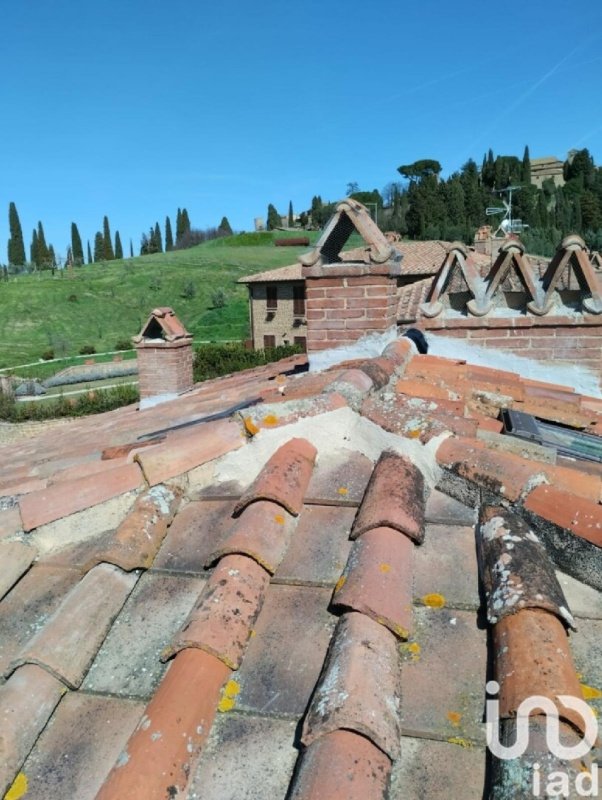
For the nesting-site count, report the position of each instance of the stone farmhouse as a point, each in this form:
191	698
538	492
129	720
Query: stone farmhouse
506	299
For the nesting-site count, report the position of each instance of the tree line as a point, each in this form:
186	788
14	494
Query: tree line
105	247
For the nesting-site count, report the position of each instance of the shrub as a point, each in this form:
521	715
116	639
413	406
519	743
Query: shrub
87	350
72	298
188	290
92	402
218	299
155	284
214	360
48	355
123	344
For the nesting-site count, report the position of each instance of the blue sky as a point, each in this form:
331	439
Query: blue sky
134	108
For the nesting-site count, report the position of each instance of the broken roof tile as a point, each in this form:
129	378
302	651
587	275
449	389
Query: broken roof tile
262	532
27	700
394	499
63	499
284	479
359	688
157	759
515	568
136	541
377	580
69	641
189	448
15	560
224	615
575	514
342	765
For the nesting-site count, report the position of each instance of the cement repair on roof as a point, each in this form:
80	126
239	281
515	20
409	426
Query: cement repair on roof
226	650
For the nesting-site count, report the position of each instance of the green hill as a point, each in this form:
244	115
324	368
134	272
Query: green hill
106	302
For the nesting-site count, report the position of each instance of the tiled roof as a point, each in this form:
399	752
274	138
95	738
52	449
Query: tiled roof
290	273
303	596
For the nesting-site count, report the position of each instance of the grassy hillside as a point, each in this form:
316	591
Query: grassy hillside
106	302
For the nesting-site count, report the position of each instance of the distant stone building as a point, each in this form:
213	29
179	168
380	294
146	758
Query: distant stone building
277	307
547	167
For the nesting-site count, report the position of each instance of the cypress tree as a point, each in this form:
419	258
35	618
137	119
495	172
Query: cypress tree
43	253
274	220
108	253
131	249
185	222
291	219
34	255
99	247
168	235
178	226
89	253
158	240
16	247
526	166
51	257
77	250
225	228
118	247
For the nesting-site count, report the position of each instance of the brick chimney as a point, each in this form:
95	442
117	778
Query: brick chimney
348	296
164	350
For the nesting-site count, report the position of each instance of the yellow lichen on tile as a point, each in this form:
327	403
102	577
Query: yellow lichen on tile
250	427
229	693
590	692
454	717
279	519
343	490
460	741
270	419
340	583
18	788
385	567
413	648
434	600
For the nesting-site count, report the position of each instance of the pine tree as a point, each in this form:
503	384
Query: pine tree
168	235
118	247
108	252
291	219
274	220
34	256
99	247
225	229
77	250
16	247
89	253
158	241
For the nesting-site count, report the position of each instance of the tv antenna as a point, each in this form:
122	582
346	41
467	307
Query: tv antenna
508	224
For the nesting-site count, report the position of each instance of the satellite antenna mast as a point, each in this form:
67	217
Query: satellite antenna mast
508	224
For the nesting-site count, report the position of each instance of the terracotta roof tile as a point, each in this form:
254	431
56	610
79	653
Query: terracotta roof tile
157	759
280	669
532	656
92	731
27	700
515	568
578	515
377	580
284	479
63	499
339	480
437	570
10	521
414	418
262	532
394	499
222	620
359	688
124	450
401	351
137	540
27	607
314	558
342	766
189	448
15	559
12	488
69	641
152	615
198	529
442	508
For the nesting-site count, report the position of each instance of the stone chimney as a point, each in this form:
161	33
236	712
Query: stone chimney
164	350
348	296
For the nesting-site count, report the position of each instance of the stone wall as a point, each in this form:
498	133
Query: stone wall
279	323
